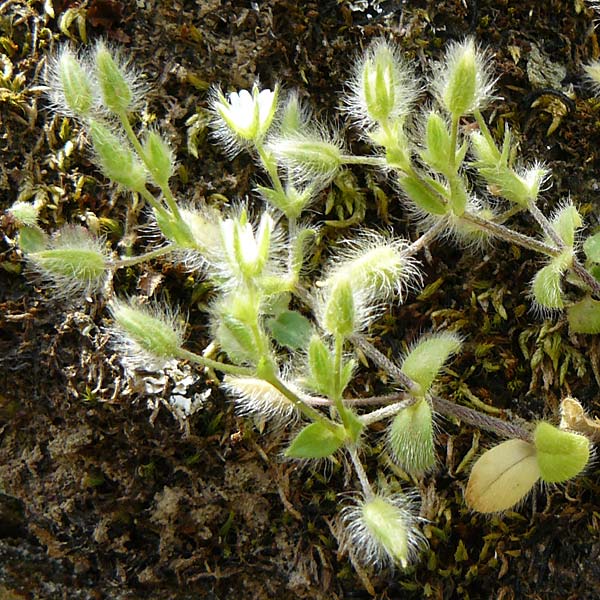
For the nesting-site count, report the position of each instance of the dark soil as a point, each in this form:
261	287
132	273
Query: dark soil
104	493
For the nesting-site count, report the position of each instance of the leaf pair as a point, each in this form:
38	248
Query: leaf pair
504	475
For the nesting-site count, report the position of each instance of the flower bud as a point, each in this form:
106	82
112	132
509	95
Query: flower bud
565	222
382	530
376	266
117	160
147	336
438	145
257	397
546	287
309	156
159	158
339	314
383	87
71	85
73	262
463	83
117	91
24	213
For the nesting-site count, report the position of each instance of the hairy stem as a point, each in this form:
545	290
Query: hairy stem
362	475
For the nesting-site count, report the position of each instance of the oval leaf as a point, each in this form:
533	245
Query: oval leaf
291	329
425	360
591	247
410	438
561	455
584	316
317	440
502	476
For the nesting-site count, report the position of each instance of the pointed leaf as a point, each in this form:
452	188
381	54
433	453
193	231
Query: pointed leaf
316	440
410	438
425	360
290	329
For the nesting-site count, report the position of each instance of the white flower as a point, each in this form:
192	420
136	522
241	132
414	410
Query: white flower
243	117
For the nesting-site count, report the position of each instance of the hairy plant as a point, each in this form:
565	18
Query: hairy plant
295	370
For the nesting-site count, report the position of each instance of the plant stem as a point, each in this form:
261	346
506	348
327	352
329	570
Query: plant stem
362	475
545	225
480	420
308	411
164	188
444	407
384	362
373	161
215	364
134	260
387	411
509	235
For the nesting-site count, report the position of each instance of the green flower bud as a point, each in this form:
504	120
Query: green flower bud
159	158
565	222
308	156
73	262
24	213
145	335
546	287
320	367
383	87
117	160
438	146
561	455
382	530
76	83
339	309
376	267
114	80
463	82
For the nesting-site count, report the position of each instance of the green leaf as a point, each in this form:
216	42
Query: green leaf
561	455
321	370
584	316
425	196
410	438
566	222
291	329
317	440
425	360
32	239
591	247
